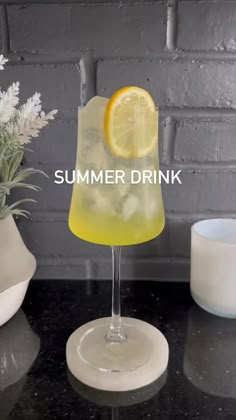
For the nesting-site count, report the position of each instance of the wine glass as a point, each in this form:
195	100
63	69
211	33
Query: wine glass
115	353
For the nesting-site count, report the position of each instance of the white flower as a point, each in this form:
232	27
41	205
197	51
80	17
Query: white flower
23	123
17	127
3	61
30	119
8	102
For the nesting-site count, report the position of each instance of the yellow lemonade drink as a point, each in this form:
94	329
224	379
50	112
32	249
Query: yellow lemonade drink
109	206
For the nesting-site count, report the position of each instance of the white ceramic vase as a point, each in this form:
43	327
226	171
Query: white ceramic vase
17	266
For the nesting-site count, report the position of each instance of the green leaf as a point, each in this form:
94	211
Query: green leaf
26	185
12	206
2	152
24	173
14	163
13	210
20	212
4	170
4	189
7	186
2	200
16	212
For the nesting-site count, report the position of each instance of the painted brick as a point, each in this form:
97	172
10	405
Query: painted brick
108	30
173	83
205	141
207	25
54	269
52	197
156	269
140	269
55	146
158	247
174	241
180	236
2	27
134	31
53	238
121	3
58	142
202	191
58	84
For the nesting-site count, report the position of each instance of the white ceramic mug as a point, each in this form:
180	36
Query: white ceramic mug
213	266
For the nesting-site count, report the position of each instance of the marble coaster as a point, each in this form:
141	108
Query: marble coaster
154	343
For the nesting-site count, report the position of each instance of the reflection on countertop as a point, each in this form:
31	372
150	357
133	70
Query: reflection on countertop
201	379
117	399
19	347
210	353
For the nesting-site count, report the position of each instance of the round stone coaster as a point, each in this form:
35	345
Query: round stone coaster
141	360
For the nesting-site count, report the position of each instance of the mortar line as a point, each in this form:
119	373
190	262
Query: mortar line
92	259
46	216
188	166
168	140
199	112
224	115
4	30
82	3
27	58
177	55
172	25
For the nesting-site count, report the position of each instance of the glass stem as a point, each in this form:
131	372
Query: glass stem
115	333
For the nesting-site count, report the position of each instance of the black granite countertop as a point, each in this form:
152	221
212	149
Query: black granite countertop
34	382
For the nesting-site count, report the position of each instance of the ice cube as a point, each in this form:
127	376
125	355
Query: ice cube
102	202
97	102
92	115
97	158
91	142
131	205
123	189
152	208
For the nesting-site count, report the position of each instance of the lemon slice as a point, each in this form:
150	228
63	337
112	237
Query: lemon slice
131	123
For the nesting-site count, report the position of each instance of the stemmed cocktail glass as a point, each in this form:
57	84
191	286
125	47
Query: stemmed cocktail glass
114	204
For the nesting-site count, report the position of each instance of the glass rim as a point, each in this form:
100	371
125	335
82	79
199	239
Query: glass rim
195	230
84	106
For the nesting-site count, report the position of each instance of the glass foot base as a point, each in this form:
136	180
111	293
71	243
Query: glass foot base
132	364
